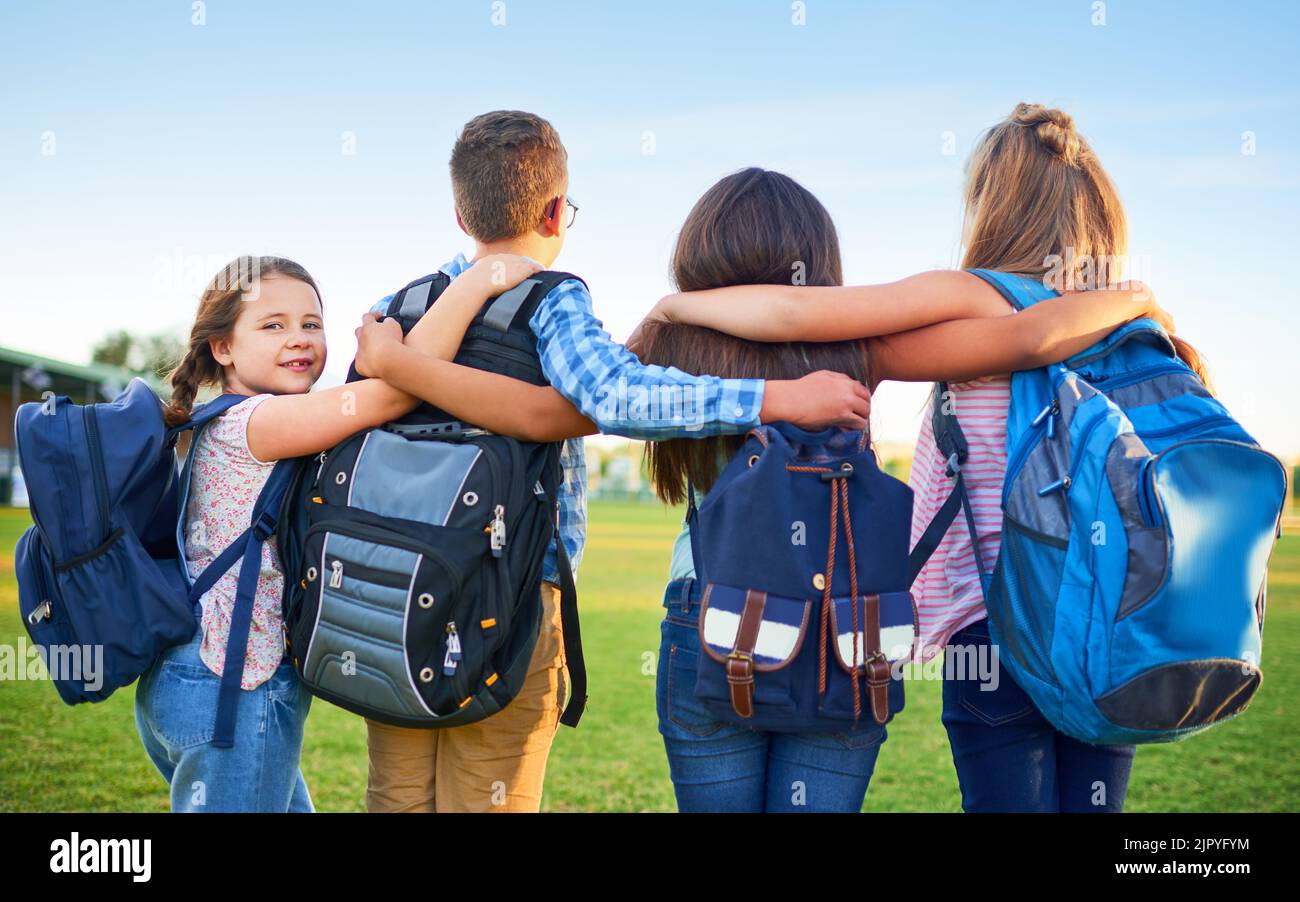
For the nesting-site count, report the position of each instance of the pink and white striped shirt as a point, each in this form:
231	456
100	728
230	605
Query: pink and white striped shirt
947	591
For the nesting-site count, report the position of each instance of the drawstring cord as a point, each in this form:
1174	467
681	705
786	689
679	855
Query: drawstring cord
839	498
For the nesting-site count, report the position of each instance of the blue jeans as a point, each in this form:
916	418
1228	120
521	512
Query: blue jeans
175	709
1010	758
720	766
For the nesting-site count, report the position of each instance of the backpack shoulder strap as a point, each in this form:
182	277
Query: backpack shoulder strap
247	549
693	532
572	633
570	628
951	442
205	413
1018	291
523	298
409	304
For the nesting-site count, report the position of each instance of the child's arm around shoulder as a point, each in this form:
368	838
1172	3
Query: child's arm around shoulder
1051	330
296	425
421	363
834	313
624	396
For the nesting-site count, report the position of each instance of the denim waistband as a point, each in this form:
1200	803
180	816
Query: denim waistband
682	594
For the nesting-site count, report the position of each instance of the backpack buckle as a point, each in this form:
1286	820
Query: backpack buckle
740	677
954	464
264	526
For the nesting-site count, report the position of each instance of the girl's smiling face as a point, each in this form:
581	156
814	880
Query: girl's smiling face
278	343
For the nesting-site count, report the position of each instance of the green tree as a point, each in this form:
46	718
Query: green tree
143	355
113	349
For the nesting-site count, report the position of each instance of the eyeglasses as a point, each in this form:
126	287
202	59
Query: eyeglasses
573	209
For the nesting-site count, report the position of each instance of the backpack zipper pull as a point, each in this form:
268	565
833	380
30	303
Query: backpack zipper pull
40	612
1049	413
498	527
454	655
336	574
1061	484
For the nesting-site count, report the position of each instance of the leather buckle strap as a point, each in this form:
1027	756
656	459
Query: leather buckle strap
740	663
877	665
740	677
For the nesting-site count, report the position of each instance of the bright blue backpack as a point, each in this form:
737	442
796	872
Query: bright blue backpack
102	587
801	546
1138	519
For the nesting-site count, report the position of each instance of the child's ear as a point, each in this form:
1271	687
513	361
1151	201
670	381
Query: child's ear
220	348
460	222
552	218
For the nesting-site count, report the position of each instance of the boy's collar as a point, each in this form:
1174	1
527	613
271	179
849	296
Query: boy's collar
460	263
457	266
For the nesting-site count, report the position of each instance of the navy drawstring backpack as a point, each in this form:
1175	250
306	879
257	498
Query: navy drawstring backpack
802	549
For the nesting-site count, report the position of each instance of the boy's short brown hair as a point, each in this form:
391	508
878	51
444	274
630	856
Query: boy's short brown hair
505	166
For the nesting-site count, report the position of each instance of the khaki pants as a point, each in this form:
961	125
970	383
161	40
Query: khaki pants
496	764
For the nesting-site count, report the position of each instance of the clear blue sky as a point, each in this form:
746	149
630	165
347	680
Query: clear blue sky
177	146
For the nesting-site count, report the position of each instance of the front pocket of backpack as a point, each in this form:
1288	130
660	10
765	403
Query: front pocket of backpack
898	635
779	639
127	628
381	603
1022	600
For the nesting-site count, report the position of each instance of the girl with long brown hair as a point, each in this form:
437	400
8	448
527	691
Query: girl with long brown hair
1038	203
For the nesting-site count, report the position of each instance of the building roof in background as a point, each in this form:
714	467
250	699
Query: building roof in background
90	372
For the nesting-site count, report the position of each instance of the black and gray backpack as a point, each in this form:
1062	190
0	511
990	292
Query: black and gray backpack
413	551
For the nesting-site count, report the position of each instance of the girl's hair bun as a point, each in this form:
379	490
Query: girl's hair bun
1054	128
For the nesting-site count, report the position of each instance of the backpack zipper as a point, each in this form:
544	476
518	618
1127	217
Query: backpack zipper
1041	422
1186	427
1148	498
377	536
1076	363
67	628
497	540
1080	451
322	456
454	655
1146	491
1120	380
91	421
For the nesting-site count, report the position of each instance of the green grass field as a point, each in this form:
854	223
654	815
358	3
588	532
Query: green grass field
56	758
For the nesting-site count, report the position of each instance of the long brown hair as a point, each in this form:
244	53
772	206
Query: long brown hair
754	227
219	308
1039	203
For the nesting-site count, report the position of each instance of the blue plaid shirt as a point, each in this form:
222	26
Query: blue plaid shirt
619	394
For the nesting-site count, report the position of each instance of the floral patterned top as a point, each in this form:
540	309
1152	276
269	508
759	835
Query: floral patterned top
224	484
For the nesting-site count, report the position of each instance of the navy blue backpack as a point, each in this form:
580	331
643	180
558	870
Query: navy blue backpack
101	585
802	547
